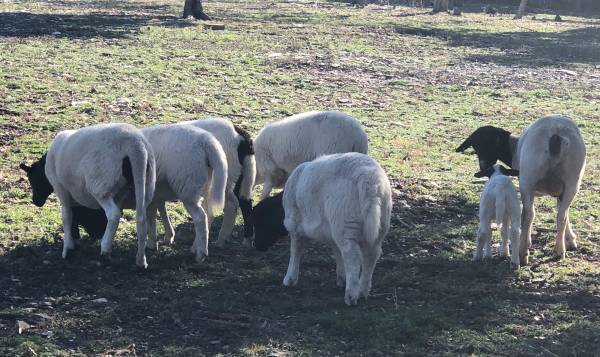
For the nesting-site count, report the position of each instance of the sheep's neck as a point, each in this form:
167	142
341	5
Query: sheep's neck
510	158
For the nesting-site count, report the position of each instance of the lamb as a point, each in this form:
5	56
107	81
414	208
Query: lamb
550	156
282	146
499	202
91	167
190	165
343	199
241	165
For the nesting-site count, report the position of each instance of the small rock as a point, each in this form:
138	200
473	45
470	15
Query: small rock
123	101
22	326
56	33
100	301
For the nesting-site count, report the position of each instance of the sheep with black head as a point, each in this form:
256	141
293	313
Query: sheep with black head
341	199
550	157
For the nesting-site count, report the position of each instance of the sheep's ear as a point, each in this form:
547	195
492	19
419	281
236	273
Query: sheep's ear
25	167
485	172
465	145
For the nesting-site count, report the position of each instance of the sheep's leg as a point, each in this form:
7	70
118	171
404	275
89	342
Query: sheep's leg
113	215
487	243
151	216
246	208
482	233
67	218
208	211
267	187
504	252
570	236
352	257
526	224
296	250
229	214
562	220
370	257
199	217
169	231
514	245
339	265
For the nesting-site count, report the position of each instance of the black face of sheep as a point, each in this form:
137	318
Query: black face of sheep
489	171
41	187
268	216
491	144
92	220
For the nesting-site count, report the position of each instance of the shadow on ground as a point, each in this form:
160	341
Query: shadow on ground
24	24
529	48
234	301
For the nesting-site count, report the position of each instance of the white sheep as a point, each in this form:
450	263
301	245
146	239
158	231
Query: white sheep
93	167
190	165
550	158
343	199
499	202
241	166
281	146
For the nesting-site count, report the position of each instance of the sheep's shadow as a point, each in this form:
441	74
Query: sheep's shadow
25	24
424	286
525	48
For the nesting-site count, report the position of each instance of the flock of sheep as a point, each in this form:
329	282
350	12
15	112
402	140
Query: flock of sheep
332	190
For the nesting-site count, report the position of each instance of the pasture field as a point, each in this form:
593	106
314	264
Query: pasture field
419	83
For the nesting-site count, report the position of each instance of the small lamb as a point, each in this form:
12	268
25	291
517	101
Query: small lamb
499	202
342	199
282	146
550	158
93	167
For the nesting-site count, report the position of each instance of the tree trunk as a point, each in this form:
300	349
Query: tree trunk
194	8
521	11
440	5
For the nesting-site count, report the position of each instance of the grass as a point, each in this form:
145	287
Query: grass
419	84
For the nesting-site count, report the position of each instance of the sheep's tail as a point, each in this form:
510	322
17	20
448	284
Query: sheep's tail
375	202
143	171
557	145
500	208
218	163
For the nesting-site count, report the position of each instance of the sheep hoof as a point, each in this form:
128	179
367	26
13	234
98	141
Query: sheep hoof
200	258
514	265
571	244
105	259
524	259
141	262
351	299
559	255
221	243
290	281
247	242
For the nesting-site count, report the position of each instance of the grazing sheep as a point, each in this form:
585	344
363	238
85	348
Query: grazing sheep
91	167
190	164
93	221
342	199
238	147
282	146
550	156
499	202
